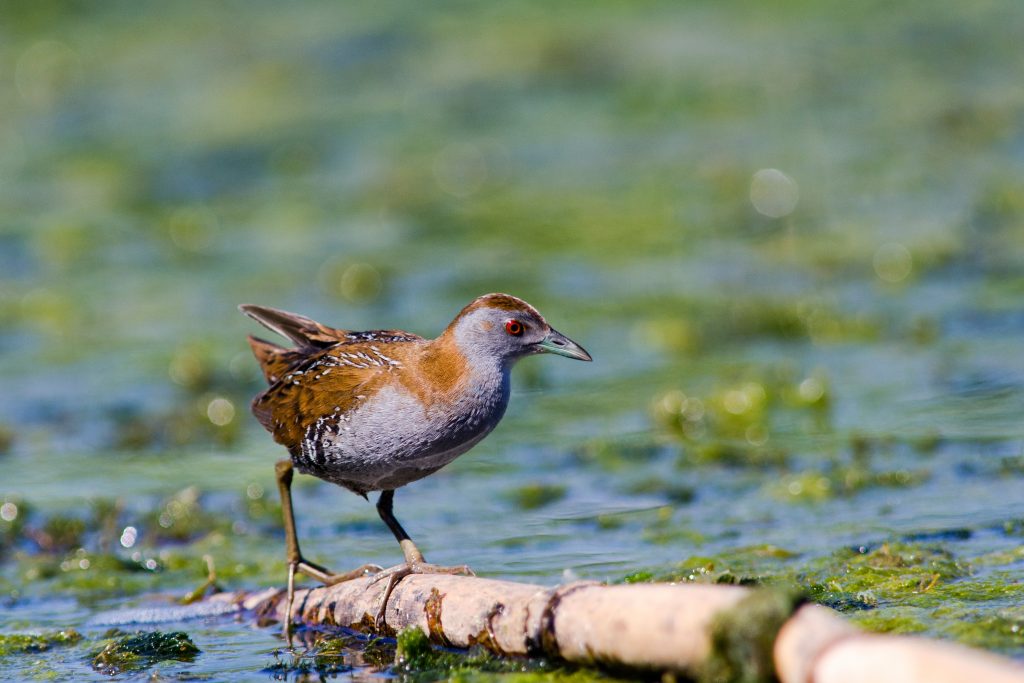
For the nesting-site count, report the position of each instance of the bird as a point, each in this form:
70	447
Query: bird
376	410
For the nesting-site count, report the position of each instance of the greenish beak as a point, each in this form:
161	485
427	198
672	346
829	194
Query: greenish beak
559	344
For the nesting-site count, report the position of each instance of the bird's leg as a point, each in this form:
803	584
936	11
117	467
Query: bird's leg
385	508
414	560
296	563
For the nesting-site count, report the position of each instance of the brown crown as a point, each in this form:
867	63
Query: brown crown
502	302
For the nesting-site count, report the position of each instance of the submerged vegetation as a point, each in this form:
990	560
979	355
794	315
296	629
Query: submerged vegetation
417	660
795	259
12	643
124	653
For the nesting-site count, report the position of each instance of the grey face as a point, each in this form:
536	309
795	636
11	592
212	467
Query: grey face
510	335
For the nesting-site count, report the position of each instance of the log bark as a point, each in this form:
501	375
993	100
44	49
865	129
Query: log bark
650	627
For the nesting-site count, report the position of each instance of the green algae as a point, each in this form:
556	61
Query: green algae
906	621
12	523
1012	465
537	495
1002	630
665	528
894	587
416	659
737	424
917	588
139	651
843	481
613	454
734	454
672	491
413	650
750	565
60	534
1013	527
208	587
14	643
93	571
182	517
7	439
890	571
578	164
743	637
327	655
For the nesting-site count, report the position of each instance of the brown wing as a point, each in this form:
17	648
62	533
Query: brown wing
308	334
334	381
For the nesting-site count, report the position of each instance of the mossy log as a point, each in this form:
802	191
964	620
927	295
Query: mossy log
710	632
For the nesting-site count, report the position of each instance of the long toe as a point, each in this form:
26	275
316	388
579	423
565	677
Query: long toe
395	574
426	568
400	571
329	578
357	573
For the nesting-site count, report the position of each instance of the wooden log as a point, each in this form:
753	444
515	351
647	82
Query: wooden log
817	646
893	659
809	632
651	627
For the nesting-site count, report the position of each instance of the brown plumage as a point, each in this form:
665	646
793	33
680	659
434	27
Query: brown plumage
372	411
274	360
334	371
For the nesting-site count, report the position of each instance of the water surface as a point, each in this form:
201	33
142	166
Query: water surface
790	235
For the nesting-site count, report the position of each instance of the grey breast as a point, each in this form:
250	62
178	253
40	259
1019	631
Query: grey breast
391	439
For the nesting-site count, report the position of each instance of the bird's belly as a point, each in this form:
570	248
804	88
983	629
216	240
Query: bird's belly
393	440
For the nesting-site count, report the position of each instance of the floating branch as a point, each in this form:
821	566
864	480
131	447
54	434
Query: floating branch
709	632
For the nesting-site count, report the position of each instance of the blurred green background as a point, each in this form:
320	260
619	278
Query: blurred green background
790	233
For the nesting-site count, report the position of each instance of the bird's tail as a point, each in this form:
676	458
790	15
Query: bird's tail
306	333
275	361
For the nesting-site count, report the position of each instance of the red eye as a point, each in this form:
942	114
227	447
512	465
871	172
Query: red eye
514	327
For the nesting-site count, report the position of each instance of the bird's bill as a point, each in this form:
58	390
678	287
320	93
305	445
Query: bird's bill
559	344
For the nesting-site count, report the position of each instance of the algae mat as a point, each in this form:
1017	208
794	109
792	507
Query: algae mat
790	234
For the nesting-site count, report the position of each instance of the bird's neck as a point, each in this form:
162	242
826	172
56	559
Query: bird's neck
469	392
444	367
454	365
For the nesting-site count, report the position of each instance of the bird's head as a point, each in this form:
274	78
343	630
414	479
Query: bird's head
505	327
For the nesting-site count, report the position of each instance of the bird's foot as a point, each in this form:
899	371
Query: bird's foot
322	574
329	578
395	574
400	571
